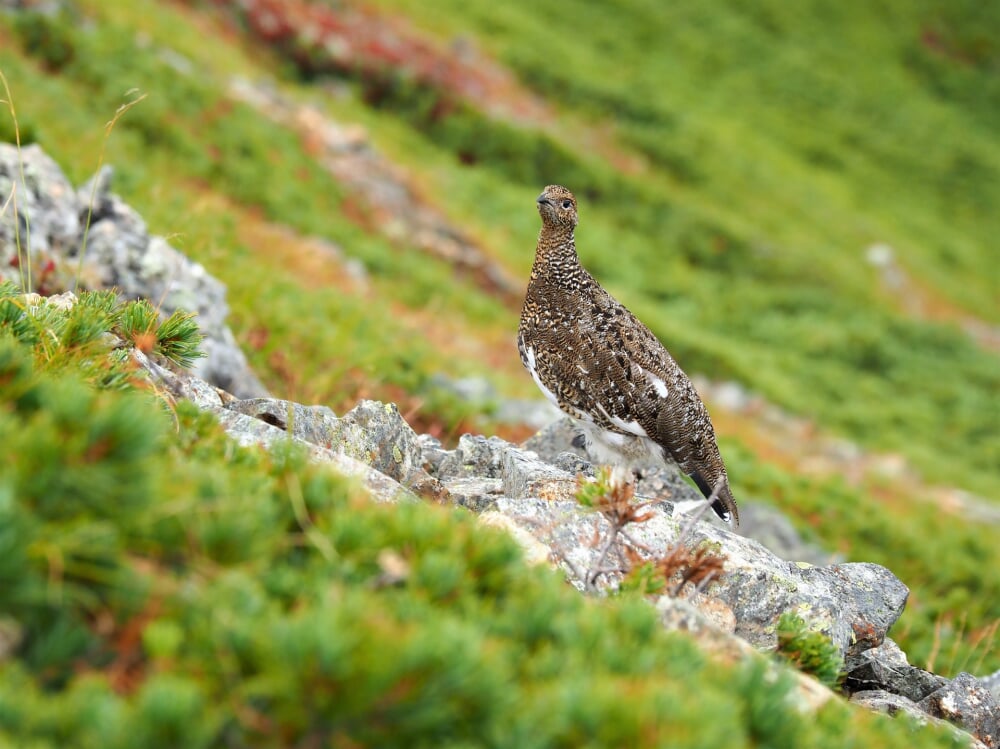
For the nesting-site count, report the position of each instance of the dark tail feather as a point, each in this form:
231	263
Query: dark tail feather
724	504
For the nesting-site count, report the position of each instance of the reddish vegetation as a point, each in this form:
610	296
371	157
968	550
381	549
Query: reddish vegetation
358	41
127	669
936	42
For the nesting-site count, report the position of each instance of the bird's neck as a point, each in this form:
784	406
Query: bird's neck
556	260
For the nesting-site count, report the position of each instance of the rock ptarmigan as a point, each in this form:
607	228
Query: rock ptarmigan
597	362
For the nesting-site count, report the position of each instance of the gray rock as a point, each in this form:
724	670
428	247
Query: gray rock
561	439
682	614
46	222
882	679
574	464
992	682
475	390
521	472
470	470
313	424
475	456
120	252
51	221
774	530
481	395
249	431
967	703
373	433
884	668
854	604
532	412
478	495
179	384
532	499
867	600
893	704
524	475
267	423
433	452
559	436
377	434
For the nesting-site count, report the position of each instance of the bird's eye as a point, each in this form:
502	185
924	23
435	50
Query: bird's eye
567	204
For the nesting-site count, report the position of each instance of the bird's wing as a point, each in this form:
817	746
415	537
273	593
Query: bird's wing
576	365
666	406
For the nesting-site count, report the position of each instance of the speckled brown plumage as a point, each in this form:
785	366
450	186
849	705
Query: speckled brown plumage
597	362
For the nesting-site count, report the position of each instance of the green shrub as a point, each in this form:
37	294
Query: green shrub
809	651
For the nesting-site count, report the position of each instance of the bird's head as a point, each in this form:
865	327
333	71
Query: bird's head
557	207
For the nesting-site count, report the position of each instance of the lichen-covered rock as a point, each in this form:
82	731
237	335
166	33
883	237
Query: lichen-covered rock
881	678
560	444
378	434
474	455
479	467
524	475
478	495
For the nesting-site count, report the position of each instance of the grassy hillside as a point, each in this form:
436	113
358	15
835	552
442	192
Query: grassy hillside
733	165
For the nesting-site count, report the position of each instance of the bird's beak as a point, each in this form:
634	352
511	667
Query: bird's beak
542	200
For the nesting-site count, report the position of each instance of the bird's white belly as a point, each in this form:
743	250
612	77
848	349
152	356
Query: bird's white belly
620	450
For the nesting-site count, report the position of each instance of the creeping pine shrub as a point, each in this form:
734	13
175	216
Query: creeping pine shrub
80	465
809	651
75	337
75	471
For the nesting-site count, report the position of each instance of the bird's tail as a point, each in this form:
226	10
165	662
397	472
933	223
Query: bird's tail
725	506
721	495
